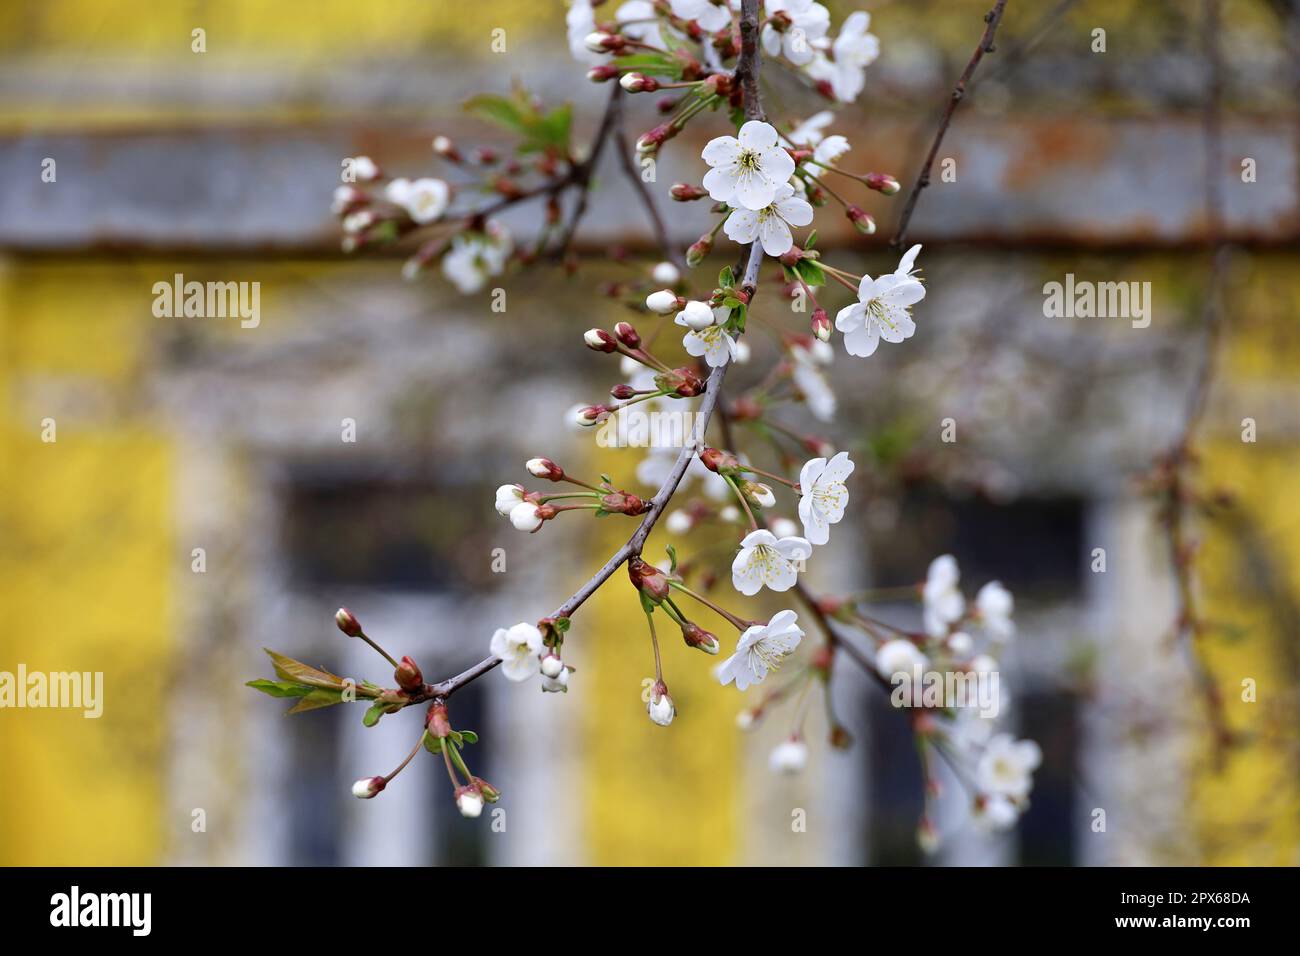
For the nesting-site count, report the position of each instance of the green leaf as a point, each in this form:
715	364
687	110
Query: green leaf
726	278
318	697
469	736
811	272
504	111
432	744
298	672
672	557
373	713
811	240
279	688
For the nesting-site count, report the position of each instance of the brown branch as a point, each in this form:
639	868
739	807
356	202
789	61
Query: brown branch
991	20
666	246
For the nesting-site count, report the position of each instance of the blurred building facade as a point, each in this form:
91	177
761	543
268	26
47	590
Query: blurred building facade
201	499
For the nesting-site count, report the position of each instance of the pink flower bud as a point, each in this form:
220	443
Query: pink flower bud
660	707
623	392
697	637
347	622
699	250
602	73
437	723
408	676
685	192
663	302
591	415
368	787
862	222
469	801
648	579
628	335
544	468
638	83
882	183
443	146
598	340
821	325
719	461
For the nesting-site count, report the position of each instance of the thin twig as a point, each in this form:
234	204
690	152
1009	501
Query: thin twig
991	20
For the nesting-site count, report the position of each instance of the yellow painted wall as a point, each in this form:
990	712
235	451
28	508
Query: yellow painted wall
85	557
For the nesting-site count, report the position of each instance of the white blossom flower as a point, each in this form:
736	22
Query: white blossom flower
995	606
517	647
809	21
994	812
881	312
941	598
765	559
364	169
905	264
810	381
810	131
960	644
830	149
760	494
788	757
747	168
712	342
637	19
706	13
508	496
469	803
760	649
852	52
770	225
1006	767
677	522
823	495
580	20
475	257
898	656
425	200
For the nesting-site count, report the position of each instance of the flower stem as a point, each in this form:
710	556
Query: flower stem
735	621
388	657
753	522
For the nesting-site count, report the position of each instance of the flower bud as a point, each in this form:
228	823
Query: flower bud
840	738
598	340
638	83
665	273
408	676
469	801
620	502
862	222
649	580
660	706
347	199
719	461
678	522
696	315
443	146
697	637
882	183
559	684
590	415
699	250
437	722
366	169
489	793
602	73
507	497
684	382
368	787
746	719
757	494
347	622
789	757
685	192
552	666
526	516
601	42
623	392
662	302
544	468
821	325
626	333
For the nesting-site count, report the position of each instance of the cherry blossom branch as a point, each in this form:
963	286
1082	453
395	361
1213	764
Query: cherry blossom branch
991	20
747	71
